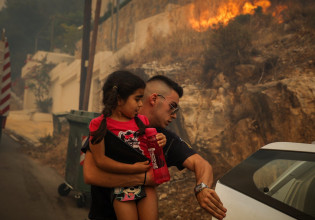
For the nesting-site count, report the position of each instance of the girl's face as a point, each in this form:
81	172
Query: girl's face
129	108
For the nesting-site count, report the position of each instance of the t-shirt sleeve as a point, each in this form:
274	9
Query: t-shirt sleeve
94	124
176	151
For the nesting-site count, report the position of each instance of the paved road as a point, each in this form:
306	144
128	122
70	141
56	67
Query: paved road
28	190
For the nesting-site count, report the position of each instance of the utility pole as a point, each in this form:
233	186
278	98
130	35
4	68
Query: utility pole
85	49
52	33
111	25
91	56
117	23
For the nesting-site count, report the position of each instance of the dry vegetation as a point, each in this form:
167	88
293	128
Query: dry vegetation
258	40
52	151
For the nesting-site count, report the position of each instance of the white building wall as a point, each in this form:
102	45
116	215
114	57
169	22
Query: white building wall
95	101
69	98
29	100
56	87
56	96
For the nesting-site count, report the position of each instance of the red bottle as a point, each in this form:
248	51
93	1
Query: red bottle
159	165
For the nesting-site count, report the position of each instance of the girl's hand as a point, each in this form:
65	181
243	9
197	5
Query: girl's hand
161	139
141	167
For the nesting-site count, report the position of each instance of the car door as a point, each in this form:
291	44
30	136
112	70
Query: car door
273	183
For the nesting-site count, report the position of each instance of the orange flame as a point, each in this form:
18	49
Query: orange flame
204	18
277	12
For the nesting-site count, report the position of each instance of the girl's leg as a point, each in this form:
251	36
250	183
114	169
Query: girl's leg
125	210
148	206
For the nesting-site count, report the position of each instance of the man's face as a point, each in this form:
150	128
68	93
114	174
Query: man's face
163	112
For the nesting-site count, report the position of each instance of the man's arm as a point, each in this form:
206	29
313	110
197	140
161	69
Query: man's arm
207	198
95	176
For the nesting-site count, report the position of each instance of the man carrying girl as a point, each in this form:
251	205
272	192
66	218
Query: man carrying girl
160	105
122	99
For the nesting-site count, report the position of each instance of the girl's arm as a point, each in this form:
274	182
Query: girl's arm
109	165
96	176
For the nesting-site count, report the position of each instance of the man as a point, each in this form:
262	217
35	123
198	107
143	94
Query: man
160	104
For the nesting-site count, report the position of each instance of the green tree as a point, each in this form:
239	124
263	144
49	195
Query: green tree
46	22
38	81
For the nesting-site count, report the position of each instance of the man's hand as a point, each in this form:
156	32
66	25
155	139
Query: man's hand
207	198
210	201
161	139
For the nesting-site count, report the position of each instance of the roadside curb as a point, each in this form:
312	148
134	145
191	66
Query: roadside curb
24	141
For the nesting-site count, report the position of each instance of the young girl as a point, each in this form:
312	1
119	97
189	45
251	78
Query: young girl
122	99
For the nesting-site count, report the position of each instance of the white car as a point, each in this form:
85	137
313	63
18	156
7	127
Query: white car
276	182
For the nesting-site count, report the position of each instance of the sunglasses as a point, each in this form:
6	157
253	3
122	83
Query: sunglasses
174	109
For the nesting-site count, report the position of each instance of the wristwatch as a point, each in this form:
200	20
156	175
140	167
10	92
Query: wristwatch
199	188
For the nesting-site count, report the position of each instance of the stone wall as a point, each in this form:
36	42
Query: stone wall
227	127
131	13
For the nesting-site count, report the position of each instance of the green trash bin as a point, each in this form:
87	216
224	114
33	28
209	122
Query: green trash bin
79	129
59	121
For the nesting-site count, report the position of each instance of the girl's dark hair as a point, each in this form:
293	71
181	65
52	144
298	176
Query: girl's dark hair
119	84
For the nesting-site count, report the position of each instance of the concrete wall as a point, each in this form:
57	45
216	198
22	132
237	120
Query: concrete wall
51	57
70	98
95	101
133	12
129	15
136	26
29	100
69	81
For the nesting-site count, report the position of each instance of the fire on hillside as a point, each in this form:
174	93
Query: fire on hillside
207	14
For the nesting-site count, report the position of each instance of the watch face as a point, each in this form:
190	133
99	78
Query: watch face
199	187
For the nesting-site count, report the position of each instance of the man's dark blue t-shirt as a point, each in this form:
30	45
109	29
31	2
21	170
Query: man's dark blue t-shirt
176	151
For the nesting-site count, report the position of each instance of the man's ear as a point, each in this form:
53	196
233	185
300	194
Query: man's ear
152	98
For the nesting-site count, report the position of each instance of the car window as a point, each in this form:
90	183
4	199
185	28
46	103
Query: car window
289	181
283	180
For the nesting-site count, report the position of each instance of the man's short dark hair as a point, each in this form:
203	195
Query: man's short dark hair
172	84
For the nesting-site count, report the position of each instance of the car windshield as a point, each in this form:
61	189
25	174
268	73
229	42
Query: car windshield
289	181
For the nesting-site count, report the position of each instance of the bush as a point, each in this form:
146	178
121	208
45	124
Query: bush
310	17
300	13
39	83
46	140
44	105
228	46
